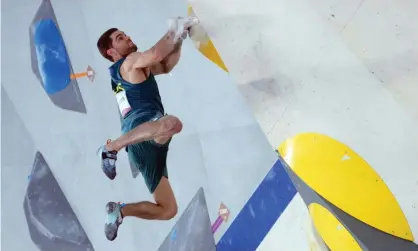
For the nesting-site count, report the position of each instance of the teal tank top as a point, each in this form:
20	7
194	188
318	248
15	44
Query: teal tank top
143	98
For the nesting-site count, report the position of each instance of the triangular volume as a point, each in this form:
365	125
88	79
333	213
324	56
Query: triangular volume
51	221
193	230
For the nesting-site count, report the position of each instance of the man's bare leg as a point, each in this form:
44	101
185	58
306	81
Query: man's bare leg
165	207
163	128
160	131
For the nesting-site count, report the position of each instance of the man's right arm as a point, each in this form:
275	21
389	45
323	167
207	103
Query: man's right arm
164	46
156	53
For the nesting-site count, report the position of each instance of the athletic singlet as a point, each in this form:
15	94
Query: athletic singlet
143	97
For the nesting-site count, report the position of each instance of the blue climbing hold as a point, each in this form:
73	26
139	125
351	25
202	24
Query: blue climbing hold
53	62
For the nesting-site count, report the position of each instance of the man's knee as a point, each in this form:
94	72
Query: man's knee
169	212
171	125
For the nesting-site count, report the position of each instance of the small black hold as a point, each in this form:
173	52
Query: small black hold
332	15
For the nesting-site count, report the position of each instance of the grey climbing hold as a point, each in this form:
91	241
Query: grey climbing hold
193	230
51	221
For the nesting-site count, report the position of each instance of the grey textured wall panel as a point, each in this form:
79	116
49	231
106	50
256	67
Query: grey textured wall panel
52	223
192	231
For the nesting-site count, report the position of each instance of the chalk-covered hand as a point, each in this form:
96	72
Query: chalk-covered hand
189	22
180	26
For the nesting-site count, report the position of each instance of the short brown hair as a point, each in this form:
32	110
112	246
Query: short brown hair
105	43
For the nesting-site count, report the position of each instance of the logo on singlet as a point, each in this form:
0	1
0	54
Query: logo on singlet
118	88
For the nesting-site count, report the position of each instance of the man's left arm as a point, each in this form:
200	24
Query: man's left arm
169	62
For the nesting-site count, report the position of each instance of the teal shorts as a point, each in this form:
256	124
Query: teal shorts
149	157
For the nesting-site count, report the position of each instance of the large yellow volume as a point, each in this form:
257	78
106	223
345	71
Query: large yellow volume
341	176
204	44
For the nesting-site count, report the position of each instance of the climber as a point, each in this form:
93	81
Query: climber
146	129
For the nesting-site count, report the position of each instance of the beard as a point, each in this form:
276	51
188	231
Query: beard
134	48
127	51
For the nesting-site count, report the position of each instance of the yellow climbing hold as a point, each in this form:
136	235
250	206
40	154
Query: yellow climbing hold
346	180
204	44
